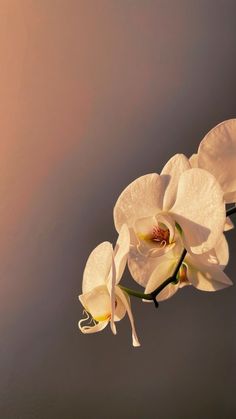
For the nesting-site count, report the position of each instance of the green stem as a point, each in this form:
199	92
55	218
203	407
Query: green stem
172	278
136	293
152	296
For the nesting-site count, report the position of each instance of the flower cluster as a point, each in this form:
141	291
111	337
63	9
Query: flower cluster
170	233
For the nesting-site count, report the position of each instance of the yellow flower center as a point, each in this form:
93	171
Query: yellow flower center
102	318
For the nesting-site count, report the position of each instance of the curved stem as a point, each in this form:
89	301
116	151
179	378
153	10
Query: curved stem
136	293
172	278
152	296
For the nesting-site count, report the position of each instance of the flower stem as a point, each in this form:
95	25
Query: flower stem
172	278
136	293
152	296
231	211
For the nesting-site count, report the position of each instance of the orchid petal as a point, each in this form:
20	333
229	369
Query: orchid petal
140	266
173	169
121	252
97	267
163	271
229	225
92	329
126	302
120	310
97	302
152	250
111	290
217	153
222	251
199	210
193	160
218	256
143	227
142	198
208	278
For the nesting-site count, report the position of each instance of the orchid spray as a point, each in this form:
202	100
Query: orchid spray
171	232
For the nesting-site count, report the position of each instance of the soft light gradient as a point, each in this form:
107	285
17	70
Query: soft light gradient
94	94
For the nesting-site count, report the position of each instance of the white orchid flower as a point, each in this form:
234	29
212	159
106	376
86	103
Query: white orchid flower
204	272
217	154
102	298
153	206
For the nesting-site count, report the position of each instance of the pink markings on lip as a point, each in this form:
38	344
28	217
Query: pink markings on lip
160	235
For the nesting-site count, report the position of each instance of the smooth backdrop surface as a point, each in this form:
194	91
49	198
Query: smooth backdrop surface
92	95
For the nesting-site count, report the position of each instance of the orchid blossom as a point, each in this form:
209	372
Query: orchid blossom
157	207
217	154
204	272
102	298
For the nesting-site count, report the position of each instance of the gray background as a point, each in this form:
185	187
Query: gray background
95	94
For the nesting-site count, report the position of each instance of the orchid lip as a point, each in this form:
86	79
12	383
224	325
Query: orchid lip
160	235
102	318
157	238
88	318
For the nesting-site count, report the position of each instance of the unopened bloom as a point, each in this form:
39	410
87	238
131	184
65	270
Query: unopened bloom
204	272
217	154
154	206
102	298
